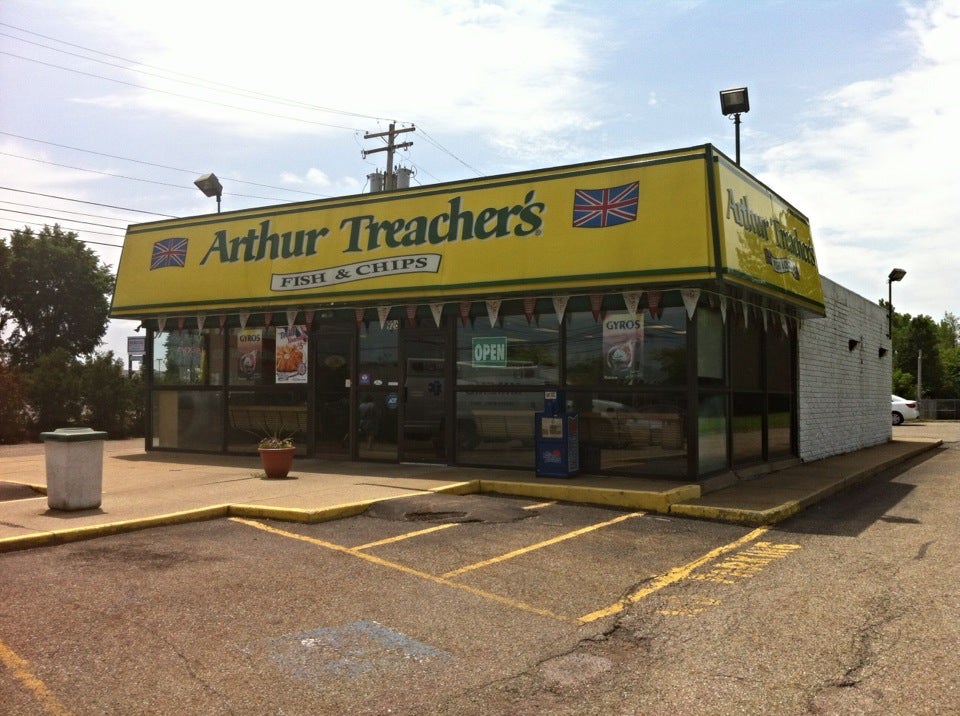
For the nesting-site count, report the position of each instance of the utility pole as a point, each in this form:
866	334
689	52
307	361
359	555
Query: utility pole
919	374
392	146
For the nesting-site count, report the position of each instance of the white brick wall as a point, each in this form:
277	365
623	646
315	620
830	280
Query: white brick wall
844	395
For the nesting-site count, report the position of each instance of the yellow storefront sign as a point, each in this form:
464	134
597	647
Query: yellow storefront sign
645	220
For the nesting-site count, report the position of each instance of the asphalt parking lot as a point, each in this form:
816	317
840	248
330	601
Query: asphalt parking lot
418	599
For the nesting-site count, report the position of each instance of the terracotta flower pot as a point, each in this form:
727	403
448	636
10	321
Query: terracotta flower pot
277	461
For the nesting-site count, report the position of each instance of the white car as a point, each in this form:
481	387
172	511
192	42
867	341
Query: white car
903	409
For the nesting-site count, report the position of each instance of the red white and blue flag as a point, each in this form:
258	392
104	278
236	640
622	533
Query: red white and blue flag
169	252
599	208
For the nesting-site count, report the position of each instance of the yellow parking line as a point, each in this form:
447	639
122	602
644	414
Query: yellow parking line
20	668
407	535
539	545
671	577
549	503
407	570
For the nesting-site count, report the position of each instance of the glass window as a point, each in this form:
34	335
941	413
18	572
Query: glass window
252	356
187	419
513	352
379	361
188	357
745	355
747	427
779	363
496	427
779	417
710	347
712	433
624	349
641	433
254	414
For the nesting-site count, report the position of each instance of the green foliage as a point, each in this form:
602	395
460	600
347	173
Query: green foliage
13	406
54	293
111	402
53	391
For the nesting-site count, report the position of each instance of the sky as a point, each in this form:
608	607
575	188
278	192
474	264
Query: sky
110	109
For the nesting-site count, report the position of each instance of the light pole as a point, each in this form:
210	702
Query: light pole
210	186
735	102
896	275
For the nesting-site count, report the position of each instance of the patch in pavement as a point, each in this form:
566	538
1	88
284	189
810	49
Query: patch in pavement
350	650
574	669
450	508
12	491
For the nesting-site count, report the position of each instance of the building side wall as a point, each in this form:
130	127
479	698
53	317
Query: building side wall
843	394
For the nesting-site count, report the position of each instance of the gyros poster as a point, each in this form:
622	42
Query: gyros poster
292	355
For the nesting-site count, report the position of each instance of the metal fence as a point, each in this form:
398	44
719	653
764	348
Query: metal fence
936	409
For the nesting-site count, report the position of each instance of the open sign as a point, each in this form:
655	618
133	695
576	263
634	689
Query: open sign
489	351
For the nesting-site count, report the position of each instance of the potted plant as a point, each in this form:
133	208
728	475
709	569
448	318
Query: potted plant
276	455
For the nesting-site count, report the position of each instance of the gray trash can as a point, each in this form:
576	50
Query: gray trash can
74	459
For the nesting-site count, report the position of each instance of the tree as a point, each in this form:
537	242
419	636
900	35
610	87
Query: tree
111	402
53	294
53	390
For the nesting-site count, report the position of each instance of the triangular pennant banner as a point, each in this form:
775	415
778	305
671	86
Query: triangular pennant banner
763	314
291	318
786	327
411	314
723	309
464	312
161	322
596	301
529	306
244	317
560	306
382	313
308	318
711	301
632	300
180	321
653	303
746	313
493	310
358	315
267	319
690	296
222	320
437	310
200	321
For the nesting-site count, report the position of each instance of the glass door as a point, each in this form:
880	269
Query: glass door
334	356
425	395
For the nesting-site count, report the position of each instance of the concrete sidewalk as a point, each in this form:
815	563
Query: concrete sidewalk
146	489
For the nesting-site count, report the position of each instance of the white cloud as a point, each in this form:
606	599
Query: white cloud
878	172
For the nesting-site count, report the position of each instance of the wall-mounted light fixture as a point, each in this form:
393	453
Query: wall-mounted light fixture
882	352
735	101
852	344
210	186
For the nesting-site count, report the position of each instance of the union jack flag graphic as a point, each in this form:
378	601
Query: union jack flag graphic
598	208
169	252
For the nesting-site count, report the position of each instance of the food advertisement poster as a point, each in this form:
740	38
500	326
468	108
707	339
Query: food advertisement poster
623	346
292	355
249	348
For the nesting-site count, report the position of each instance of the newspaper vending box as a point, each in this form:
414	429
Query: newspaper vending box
557	438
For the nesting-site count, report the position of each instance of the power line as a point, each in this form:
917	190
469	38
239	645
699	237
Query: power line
121	176
75	231
204	83
48	216
199	81
62	211
176	94
158	166
92	203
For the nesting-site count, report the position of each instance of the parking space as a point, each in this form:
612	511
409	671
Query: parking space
419	597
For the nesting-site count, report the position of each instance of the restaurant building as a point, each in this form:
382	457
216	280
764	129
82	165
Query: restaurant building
664	297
